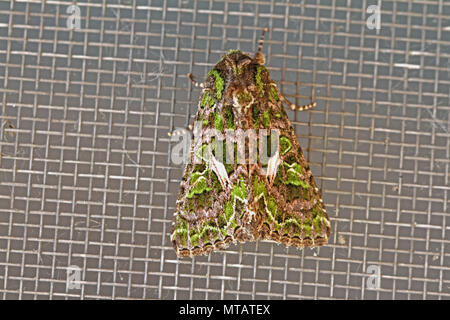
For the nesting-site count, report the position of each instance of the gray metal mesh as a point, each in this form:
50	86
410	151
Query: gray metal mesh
87	179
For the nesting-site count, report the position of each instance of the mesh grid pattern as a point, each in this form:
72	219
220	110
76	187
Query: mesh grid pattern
86	177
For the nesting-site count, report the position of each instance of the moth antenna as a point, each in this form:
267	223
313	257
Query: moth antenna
295	107
181	131
261	41
195	83
259	57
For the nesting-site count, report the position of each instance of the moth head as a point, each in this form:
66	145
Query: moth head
237	62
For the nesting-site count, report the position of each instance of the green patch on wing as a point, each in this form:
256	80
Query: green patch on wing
219	83
194	236
306	226
285	145
259	188
229	210
203	153
218	121
273	95
266	119
238	200
229	117
229	214
318	219
292	225
181	230
202	181
255	116
239	191
274	214
258	79
294	173
207	99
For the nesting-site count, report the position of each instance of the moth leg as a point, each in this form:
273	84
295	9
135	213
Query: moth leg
195	83
295	107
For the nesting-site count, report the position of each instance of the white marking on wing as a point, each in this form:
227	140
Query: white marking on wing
272	167
220	171
236	105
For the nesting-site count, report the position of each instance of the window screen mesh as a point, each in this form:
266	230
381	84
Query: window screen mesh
86	177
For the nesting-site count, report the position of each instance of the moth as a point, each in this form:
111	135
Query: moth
242	183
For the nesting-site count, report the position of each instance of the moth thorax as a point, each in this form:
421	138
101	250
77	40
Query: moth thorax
242	99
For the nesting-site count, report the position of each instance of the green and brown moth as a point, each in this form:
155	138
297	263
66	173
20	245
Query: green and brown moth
246	178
